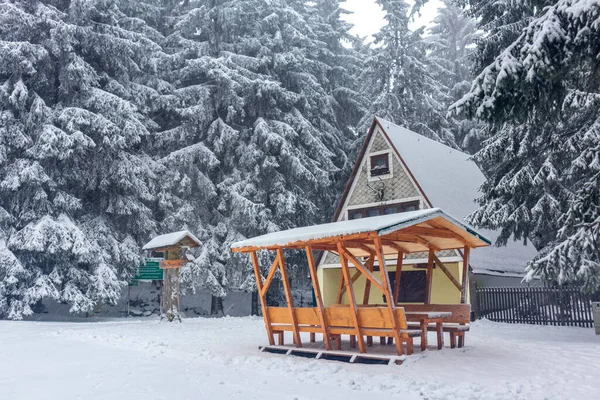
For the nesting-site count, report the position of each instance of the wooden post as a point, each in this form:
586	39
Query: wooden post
319	306
338	299
288	296
429	276
465	274
351	299
263	297
398	276
391	304
170	294
367	294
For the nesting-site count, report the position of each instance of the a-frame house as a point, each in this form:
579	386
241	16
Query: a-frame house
398	170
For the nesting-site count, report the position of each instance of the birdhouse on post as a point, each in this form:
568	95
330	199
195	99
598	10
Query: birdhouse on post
174	247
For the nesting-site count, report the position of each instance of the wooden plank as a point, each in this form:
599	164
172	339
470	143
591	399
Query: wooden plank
433	232
312	267
263	300
465	274
270	276
429	277
361	268
447	272
391	304
288	296
351	300
370	263
398	275
398	247
341	289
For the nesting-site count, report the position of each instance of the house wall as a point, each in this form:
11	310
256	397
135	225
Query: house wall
443	290
398	187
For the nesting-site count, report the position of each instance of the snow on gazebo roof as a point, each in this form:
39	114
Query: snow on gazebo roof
451	181
383	225
170	239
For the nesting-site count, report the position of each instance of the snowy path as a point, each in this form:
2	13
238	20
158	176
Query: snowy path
218	359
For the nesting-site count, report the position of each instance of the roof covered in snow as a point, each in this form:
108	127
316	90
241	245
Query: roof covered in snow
451	181
383	225
170	239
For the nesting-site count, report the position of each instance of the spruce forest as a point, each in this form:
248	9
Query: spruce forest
123	119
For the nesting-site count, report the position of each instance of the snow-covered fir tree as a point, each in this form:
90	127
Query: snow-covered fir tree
265	106
541	98
76	86
398	81
451	45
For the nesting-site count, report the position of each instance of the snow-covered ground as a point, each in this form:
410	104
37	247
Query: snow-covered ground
219	359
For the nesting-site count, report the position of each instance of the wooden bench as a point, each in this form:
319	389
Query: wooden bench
456	325
373	321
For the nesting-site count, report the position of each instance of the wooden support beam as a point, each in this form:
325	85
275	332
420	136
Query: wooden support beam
270	275
302	243
427	243
428	282
355	245
288	296
341	288
398	247
370	263
398	275
465	274
433	232
447	272
356	275
351	300
361	268
391	304
312	267
263	299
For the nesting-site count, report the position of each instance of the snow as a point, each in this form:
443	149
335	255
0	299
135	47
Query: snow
169	239
219	358
384	224
451	181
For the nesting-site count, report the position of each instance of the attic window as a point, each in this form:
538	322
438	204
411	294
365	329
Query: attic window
380	164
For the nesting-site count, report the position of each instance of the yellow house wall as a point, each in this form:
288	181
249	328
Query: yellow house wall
443	290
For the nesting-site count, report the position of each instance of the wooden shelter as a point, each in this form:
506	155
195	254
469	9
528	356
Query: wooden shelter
364	244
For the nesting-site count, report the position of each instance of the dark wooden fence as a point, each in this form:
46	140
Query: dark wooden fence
535	305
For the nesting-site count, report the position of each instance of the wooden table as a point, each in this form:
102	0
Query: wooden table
424	318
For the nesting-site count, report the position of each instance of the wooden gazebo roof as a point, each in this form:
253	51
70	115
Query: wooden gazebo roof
410	232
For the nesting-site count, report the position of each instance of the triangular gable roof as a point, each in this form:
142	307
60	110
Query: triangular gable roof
448	179
380	226
170	239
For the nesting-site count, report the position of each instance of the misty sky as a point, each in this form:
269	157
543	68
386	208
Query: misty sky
368	16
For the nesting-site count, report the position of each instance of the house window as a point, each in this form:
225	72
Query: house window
380	164
383	210
412	286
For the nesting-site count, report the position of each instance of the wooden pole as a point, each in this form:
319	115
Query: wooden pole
263	298
170	294
340	293
369	265
351	299
465	274
320	308
398	276
391	304
288	296
429	277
